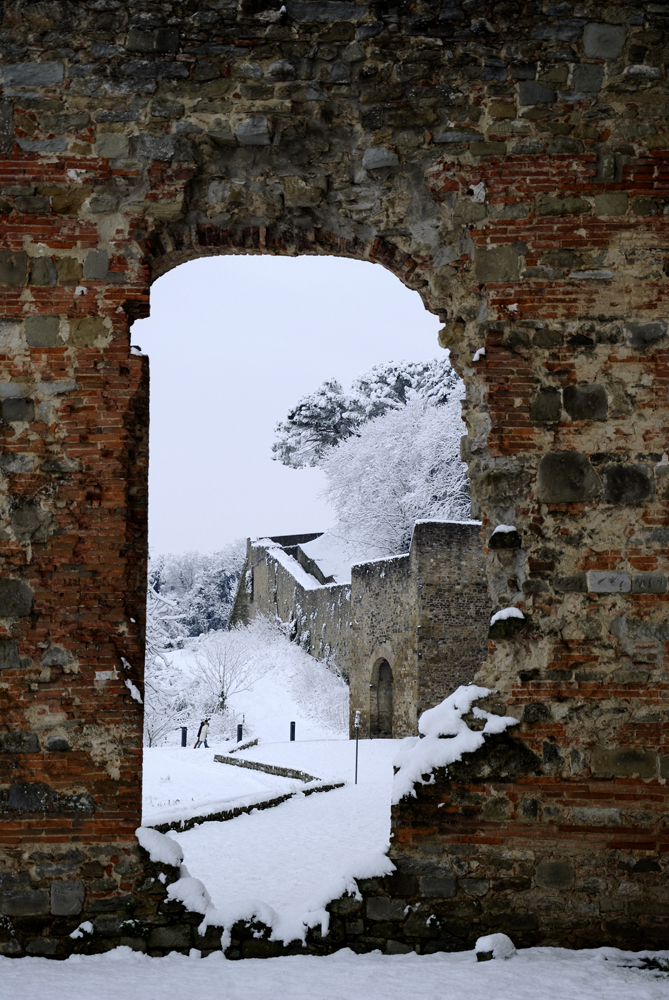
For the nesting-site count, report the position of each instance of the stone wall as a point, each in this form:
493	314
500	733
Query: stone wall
425	613
510	163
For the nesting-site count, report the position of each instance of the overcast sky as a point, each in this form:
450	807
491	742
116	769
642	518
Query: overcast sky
234	342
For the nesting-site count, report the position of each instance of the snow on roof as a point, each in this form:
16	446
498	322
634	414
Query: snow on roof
446	520
446	737
300	575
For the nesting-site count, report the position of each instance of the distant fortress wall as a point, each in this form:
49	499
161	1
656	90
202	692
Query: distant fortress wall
405	632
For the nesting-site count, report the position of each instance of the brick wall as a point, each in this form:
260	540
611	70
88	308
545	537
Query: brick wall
507	162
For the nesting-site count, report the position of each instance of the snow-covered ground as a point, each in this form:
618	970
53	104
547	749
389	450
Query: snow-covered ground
288	861
532	974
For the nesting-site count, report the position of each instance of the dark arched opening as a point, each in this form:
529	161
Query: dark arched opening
381	697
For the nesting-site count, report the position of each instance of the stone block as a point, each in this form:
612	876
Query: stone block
468	211
379	157
474	886
67	898
499	487
315	11
24	903
61	466
69	269
32	204
433	887
643	335
16	598
112	146
555	875
383	908
627	483
487	148
86	331
254	131
18	410
501	109
566	477
546	407
575	584
587	78
44	946
603	41
152	40
13	267
96	265
345	905
9	654
586	402
31	74
608	582
500	264
20	741
57	744
532	92
611	203
397	948
548	205
161	147
623	762
355	927
299	193
6	127
42	330
43	271
649	583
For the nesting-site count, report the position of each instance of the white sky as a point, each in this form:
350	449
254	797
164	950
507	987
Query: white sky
234	342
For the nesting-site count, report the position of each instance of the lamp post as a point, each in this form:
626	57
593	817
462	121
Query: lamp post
356	726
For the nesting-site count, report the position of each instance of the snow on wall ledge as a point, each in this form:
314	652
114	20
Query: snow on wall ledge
445	737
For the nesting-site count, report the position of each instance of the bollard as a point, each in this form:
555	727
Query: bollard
184	736
239	734
292	732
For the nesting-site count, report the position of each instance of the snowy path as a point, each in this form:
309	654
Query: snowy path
533	974
298	854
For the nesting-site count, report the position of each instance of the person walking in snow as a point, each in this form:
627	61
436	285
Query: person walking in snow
202	734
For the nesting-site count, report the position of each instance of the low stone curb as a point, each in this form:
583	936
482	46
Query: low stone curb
226	814
244	746
282	772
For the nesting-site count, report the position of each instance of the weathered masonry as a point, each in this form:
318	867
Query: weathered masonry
510	163
405	632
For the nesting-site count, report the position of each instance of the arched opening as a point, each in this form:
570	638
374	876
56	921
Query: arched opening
381	701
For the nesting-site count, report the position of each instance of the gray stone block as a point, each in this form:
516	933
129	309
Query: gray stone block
643	335
13	267
16	598
576	584
30	796
383	908
31	74
469	211
532	92
152	40
24	903
378	157
44	946
328	10
608	582
340	74
474	886
254	131
498	264
546	407
22	410
547	205
43	271
20	741
436	888
624	762
6	127
56	656
611	203
397	948
604	41
586	402
566	477
587	79
627	483
96	265
9	654
171	937
42	330
32	204
112	146
649	583
555	875
57	744
67	898
42	145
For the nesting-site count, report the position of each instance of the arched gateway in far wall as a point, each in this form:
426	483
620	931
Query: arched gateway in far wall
510	163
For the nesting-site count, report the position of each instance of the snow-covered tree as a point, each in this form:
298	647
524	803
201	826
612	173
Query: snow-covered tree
226	666
323	419
401	467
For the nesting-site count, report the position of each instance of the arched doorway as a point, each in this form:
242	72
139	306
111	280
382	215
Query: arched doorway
381	700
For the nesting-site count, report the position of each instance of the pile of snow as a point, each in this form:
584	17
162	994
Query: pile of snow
504	529
159	846
445	738
496	946
505	613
